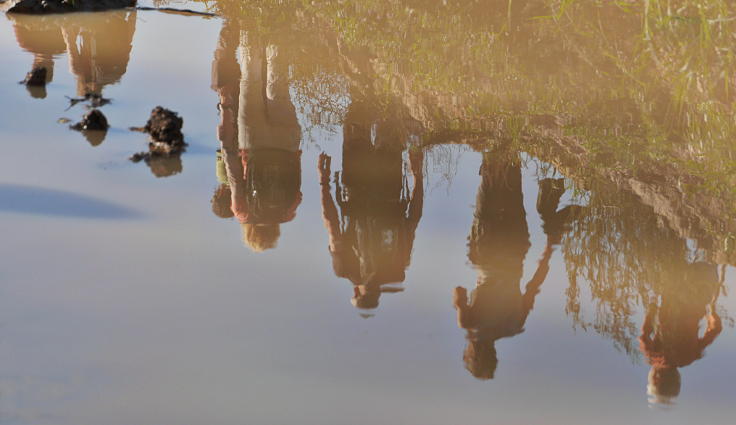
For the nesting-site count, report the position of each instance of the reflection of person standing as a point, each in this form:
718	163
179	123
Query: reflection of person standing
498	243
371	238
670	336
41	36
99	48
260	137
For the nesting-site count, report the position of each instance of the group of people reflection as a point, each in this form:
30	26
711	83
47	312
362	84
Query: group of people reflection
372	207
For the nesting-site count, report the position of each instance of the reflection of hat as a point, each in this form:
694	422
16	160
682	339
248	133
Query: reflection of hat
480	358
367	298
664	385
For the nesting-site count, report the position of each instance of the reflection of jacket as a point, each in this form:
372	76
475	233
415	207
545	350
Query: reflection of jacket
269	192
39	35
379	215
671	339
99	48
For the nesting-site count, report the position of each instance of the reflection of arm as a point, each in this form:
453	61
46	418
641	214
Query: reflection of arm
532	287
645	340
225	77
417	197
713	330
460	302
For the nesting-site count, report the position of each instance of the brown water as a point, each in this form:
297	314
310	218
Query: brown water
388	213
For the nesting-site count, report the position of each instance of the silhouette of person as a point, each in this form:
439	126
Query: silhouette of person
670	336
497	245
371	238
259	136
40	35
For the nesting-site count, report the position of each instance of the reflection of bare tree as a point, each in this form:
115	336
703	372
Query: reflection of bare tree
631	261
622	250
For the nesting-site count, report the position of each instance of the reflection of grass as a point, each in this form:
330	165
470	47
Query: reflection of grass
656	74
642	85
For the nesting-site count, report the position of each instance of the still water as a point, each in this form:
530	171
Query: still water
376	221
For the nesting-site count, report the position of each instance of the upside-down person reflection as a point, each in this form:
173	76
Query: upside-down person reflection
497	245
371	237
40	35
670	336
99	48
259	162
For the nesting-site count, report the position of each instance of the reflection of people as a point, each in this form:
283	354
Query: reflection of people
40	35
259	135
670	334
371	238
99	48
498	243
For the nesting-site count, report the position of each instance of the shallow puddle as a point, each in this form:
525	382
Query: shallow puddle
387	212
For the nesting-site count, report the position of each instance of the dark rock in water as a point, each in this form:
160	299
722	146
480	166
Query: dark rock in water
36	78
40	7
92	120
165	126
166	144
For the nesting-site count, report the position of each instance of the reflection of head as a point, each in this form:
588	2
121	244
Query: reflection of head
260	237
366	297
480	358
664	384
99	48
221	202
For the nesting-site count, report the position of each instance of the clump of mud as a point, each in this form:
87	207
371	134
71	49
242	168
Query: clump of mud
93	126
166	142
165	126
41	7
36	77
92	120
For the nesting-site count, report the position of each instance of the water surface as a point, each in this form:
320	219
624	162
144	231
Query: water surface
388	212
